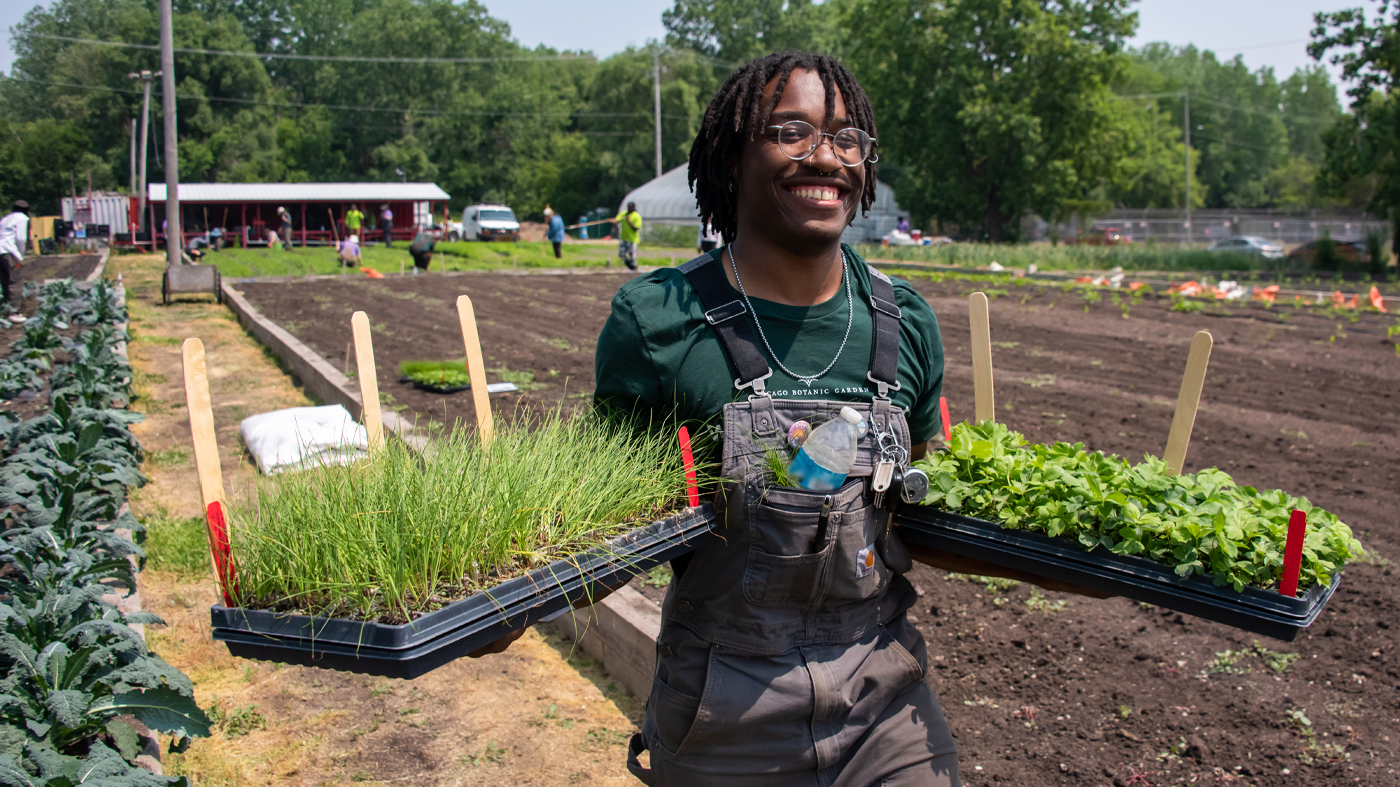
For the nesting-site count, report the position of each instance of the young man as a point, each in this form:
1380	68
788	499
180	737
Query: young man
785	657
14	239
629	228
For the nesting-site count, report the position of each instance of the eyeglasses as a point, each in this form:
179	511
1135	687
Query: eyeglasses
798	139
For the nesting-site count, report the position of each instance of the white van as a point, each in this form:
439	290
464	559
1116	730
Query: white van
489	222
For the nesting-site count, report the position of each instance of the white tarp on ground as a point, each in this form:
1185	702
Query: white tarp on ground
303	437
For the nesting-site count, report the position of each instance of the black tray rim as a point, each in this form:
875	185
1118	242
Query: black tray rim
680	529
425	657
1269	600
1107	572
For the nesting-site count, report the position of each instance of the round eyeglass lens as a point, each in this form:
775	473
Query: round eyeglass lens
798	139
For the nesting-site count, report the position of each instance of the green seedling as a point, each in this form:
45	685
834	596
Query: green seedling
1037	602
401	535
1197	523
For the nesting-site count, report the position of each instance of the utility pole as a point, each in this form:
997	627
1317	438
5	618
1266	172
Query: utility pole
1187	124
174	240
145	77
131	171
656	92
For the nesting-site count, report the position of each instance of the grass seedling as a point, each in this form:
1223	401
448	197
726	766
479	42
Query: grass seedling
443	374
406	533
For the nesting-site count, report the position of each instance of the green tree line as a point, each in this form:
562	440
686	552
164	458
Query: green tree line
988	109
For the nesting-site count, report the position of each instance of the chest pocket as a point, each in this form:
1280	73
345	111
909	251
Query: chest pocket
812	549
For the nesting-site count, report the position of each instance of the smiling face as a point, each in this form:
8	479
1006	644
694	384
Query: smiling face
803	205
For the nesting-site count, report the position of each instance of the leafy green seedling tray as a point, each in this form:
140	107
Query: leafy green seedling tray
463	625
1260	611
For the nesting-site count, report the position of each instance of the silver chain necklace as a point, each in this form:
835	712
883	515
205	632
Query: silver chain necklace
806	380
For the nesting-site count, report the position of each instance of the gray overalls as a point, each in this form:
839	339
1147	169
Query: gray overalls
785	657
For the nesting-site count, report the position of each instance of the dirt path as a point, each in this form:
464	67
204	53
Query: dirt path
536	715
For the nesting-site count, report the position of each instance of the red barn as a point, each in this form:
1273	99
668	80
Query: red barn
246	211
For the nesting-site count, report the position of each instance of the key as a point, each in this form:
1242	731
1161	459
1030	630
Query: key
884	472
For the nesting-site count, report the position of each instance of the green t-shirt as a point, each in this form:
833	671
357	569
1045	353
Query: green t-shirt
629	226
658	356
354	219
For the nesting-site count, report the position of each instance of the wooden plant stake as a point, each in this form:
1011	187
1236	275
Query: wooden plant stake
206	462
476	368
1188	401
369	384
986	406
1293	553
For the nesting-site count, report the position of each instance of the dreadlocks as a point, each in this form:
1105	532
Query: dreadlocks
738	113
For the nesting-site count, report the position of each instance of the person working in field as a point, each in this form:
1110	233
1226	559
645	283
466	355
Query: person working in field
629	229
785	656
285	218
555	231
354	220
422	250
350	251
14	241
386	221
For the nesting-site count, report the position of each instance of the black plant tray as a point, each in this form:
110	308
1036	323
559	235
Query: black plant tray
438	389
411	649
1260	611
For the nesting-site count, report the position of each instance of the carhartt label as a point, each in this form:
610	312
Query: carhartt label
865	562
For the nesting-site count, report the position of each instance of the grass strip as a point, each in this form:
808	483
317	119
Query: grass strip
406	533
1197	523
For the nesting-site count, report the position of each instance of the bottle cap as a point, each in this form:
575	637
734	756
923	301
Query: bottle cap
850	416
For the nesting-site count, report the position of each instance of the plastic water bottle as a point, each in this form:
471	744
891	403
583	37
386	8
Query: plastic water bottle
826	458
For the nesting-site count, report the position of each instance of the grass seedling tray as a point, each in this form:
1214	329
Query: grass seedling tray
1260	611
410	649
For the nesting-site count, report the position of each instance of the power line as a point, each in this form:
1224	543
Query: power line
319	58
353	108
354	59
1197	96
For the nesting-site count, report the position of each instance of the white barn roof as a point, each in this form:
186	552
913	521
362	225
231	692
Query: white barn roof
302	192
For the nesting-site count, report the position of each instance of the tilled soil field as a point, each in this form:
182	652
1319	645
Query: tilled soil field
1047	688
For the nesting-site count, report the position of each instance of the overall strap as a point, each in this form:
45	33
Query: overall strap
724	312
884	338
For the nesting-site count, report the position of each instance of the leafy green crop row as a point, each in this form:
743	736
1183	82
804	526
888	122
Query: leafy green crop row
71	668
1197	523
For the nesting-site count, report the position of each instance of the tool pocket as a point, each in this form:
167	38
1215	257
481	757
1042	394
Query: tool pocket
792	537
858	569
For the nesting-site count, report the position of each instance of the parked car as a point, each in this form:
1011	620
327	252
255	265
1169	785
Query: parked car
490	222
1249	244
1346	250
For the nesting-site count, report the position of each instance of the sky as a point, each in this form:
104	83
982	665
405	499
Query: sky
1265	32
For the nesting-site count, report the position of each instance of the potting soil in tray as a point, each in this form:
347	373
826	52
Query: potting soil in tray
1260	611
631	553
